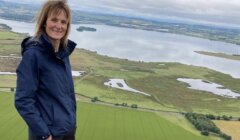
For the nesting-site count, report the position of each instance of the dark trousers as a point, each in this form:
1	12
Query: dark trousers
68	136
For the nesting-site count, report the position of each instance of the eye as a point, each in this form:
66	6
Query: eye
54	20
64	22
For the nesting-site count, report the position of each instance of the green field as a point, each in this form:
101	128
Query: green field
100	122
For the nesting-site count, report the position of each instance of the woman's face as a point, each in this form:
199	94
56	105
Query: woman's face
56	26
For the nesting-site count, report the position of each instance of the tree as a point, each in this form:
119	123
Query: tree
124	104
134	106
94	99
12	89
226	117
210	116
225	136
205	132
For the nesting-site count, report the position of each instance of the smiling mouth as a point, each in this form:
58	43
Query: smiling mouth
57	31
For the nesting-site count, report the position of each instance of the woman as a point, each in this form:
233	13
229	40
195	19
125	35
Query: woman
45	94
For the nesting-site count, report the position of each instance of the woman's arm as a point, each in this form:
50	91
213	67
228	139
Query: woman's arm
25	98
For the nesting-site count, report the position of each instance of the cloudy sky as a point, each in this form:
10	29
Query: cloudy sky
223	12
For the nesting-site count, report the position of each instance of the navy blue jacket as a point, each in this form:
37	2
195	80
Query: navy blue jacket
45	94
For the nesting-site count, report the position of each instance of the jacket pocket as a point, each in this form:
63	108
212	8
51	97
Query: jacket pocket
62	115
47	114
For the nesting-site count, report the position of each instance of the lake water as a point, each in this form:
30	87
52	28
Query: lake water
148	46
121	84
214	88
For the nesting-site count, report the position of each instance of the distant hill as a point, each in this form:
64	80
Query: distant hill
27	13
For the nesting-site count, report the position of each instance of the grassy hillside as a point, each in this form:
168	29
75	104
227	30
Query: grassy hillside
100	122
157	79
9	45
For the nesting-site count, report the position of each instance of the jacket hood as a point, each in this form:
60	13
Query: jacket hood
44	44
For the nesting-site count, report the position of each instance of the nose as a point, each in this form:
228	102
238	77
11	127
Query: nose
58	25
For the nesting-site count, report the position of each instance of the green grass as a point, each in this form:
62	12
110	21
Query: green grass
6	35
180	120
10	42
6	50
11	125
92	87
99	122
170	91
7	80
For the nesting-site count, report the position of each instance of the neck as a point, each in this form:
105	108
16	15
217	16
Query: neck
56	44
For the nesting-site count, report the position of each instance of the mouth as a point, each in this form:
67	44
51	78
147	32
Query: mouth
57	31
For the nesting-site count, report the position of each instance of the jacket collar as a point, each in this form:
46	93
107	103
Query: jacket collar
45	44
63	51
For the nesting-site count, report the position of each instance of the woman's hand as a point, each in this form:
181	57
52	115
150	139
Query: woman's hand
49	138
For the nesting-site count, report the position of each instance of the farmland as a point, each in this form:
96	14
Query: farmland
230	127
99	122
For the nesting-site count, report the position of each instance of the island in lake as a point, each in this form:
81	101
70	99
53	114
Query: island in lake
83	28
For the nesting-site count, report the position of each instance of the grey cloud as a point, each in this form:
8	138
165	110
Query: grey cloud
222	11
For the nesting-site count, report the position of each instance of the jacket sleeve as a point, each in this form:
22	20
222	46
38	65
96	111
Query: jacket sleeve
25	97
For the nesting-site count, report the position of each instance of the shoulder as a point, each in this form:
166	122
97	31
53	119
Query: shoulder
30	46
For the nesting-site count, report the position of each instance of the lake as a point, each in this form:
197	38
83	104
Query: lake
121	84
214	88
148	46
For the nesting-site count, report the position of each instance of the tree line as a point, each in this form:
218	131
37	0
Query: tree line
205	124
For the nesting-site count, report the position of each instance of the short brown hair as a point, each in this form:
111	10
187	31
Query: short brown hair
53	7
